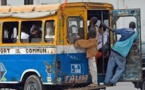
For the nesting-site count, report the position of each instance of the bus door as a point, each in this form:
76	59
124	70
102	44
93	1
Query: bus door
76	66
133	70
103	45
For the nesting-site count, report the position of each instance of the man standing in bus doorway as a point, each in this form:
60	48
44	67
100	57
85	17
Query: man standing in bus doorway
103	35
91	49
119	52
93	33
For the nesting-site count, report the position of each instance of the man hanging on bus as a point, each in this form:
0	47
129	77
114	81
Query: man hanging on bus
119	52
91	49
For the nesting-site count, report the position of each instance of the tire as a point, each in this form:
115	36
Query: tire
143	85
33	82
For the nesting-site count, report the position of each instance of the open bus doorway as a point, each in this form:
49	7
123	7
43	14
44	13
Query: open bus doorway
103	42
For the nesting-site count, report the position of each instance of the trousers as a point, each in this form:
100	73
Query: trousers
93	69
120	61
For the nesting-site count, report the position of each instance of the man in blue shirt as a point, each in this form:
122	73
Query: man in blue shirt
119	52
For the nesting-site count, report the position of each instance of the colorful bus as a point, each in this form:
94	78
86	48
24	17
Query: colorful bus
37	51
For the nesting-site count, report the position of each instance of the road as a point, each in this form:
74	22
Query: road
119	86
123	86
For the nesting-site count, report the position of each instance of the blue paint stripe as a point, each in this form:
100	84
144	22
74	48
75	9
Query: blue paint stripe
16	64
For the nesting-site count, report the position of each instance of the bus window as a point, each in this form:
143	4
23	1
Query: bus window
49	31
75	29
10	31
31	31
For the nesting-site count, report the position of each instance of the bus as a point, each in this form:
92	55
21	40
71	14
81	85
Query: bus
37	45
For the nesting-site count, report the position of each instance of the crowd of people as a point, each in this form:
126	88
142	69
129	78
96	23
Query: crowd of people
97	41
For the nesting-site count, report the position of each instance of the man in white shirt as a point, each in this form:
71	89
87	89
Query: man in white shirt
102	40
24	33
6	33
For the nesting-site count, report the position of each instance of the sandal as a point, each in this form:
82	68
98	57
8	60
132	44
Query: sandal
92	85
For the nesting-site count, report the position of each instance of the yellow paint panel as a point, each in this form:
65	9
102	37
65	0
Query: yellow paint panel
46	7
5	9
27	8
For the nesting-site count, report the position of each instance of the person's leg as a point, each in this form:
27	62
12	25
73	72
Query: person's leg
110	67
93	70
121	62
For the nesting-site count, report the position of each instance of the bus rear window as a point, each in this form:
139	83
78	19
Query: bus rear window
75	29
49	30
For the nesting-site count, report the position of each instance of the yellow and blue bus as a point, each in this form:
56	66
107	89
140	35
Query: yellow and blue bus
33	55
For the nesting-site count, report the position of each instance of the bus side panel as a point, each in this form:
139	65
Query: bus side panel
14	66
74	65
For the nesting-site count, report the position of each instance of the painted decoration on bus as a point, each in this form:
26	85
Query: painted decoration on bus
27	51
2	72
48	67
49	79
76	79
49	71
75	68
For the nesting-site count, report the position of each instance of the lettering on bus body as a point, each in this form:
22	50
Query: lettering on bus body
4	51
76	79
75	68
27	51
30	50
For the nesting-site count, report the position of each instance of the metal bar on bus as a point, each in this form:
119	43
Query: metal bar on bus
103	67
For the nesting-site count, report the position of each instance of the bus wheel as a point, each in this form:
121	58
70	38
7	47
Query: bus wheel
143	85
33	83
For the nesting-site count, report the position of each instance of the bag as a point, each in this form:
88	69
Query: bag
105	47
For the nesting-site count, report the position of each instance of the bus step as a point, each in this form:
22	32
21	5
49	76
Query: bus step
89	88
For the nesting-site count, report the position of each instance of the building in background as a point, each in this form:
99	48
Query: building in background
3	2
118	4
28	2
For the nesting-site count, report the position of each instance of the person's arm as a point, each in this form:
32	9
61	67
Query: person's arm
117	31
136	35
97	33
109	28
